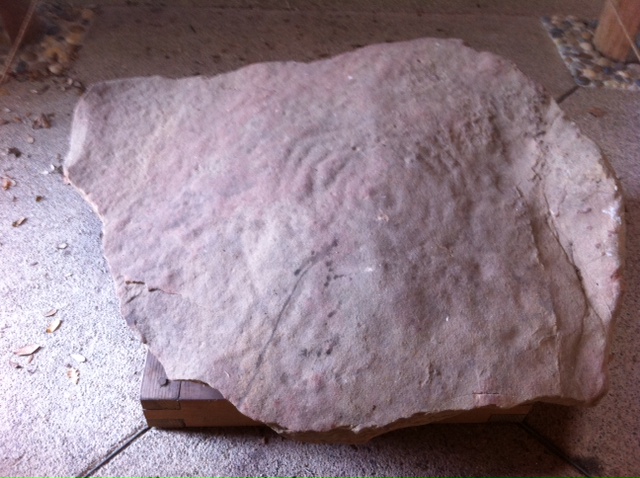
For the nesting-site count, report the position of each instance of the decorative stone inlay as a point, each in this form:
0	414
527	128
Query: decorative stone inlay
574	40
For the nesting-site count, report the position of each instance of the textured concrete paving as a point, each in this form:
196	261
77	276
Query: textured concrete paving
50	426
499	450
181	41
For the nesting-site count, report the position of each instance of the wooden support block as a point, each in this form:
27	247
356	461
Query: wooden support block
617	16
164	422
158	392
187	404
12	13
180	403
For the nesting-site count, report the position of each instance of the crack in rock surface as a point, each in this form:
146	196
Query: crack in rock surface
344	247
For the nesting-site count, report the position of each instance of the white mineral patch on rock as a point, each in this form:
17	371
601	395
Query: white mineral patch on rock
348	246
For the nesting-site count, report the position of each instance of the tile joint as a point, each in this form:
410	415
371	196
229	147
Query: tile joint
567	94
110	456
553	448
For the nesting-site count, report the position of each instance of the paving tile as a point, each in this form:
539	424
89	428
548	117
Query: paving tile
177	42
605	439
437	450
592	8
49	425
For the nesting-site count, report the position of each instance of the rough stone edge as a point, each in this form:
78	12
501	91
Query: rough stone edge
568	127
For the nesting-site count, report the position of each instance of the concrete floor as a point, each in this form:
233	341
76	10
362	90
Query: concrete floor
50	426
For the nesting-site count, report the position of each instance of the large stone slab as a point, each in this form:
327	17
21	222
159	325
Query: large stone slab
357	244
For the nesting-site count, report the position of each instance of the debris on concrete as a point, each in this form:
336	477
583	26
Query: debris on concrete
27	350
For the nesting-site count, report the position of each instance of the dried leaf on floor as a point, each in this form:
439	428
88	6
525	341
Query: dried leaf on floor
39	198
44	89
14	364
7	183
79	358
597	112
42	122
73	375
27	350
15	151
54	326
19	222
51	313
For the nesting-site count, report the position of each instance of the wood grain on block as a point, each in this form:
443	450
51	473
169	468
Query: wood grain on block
194	392
618	26
13	14
165	422
219	415
157	391
381	239
194	405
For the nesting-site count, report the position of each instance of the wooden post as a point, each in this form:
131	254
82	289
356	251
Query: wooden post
610	38
12	12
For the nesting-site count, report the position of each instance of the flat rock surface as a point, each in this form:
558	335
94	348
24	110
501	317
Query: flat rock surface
348	246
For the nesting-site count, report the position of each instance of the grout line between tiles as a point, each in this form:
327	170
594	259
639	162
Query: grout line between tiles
114	453
553	448
567	94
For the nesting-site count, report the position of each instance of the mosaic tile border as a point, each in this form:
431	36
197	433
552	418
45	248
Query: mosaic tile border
574	40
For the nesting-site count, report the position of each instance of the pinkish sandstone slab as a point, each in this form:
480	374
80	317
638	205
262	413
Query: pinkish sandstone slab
348	246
